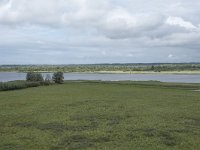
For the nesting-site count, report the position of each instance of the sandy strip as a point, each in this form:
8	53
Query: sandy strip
196	90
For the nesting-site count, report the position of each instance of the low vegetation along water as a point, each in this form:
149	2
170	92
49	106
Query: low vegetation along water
101	115
10	76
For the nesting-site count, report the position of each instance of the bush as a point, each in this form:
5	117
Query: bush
13	85
45	83
58	77
31	76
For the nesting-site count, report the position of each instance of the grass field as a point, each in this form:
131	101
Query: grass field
98	115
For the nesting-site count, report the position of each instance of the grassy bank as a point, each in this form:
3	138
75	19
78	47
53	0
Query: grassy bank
101	115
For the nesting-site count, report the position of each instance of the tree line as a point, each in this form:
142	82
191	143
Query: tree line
37	77
103	67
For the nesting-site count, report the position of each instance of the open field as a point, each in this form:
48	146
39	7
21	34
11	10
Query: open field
101	115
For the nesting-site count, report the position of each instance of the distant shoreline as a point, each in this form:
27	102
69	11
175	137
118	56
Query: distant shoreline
145	72
122	72
108	68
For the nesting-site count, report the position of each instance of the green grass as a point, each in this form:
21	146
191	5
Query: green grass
101	115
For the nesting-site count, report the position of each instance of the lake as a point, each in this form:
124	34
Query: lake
11	76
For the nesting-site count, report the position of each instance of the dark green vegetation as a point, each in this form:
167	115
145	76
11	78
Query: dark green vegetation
101	115
156	67
14	85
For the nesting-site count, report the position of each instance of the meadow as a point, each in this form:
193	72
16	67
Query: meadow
101	115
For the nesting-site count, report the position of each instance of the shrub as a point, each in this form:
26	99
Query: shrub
13	85
58	77
45	83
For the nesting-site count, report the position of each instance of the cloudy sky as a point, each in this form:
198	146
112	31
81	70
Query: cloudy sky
99	31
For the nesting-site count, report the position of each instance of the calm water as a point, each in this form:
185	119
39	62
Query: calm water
10	76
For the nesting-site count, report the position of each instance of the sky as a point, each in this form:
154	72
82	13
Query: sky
99	31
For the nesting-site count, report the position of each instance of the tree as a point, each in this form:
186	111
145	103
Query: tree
31	76
58	77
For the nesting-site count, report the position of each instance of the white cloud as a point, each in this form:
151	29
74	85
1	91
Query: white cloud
177	21
119	23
